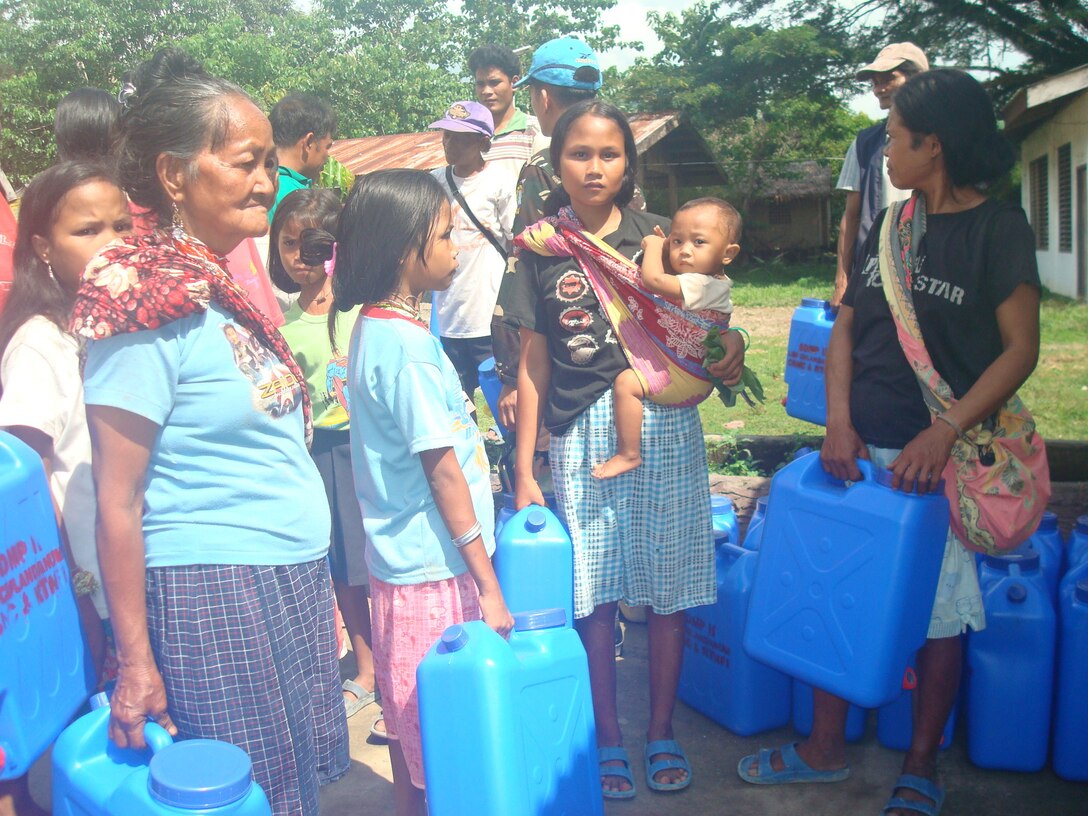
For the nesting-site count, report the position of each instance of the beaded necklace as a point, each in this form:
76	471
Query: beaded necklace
407	306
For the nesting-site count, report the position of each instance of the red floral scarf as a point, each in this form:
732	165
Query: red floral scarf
151	280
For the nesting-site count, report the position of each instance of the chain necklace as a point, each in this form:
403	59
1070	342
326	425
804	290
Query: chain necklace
407	306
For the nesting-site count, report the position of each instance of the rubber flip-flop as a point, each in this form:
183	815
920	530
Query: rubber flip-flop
920	785
795	770
379	734
363	698
678	760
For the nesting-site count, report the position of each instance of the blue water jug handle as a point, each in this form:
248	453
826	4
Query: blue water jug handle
157	737
869	473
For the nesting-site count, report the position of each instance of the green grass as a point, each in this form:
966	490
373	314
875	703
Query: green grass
781	283
1057	393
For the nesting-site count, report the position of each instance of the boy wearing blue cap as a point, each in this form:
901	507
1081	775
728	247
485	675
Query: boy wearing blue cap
482	200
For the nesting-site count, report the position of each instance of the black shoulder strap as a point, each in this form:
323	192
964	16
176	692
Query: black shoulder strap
488	234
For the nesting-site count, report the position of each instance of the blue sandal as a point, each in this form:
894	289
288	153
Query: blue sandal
920	785
677	760
794	770
610	753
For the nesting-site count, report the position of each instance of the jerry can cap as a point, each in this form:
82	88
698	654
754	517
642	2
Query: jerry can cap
535	520
815	303
1025	557
199	774
720	503
540	619
454	638
1049	522
1017	593
1082	524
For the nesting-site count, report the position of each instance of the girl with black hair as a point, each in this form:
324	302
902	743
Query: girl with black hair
324	364
87	125
643	537
971	274
421	473
68	213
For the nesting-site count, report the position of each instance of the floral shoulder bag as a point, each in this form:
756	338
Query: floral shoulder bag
997	479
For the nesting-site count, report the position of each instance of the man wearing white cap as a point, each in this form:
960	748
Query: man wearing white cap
864	174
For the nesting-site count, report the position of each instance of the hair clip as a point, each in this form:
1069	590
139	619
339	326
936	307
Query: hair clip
330	264
128	90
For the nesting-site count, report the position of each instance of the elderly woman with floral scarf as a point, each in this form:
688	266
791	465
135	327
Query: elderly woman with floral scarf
212	522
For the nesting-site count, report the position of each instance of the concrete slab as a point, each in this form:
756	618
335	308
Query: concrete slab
716	789
714	752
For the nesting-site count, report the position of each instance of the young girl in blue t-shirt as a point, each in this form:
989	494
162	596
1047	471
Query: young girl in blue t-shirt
421	473
323	361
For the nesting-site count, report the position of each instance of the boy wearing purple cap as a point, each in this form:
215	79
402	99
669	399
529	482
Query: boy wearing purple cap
482	200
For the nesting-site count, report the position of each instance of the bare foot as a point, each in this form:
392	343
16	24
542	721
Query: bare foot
618	464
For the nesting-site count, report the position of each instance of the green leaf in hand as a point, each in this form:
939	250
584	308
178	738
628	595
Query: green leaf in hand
749	386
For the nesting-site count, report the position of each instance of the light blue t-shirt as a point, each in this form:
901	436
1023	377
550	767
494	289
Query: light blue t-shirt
406	398
229	480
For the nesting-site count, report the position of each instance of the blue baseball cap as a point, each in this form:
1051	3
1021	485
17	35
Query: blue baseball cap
567	62
466	117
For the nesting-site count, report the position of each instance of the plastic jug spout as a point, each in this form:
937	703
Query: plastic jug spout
535	521
454	639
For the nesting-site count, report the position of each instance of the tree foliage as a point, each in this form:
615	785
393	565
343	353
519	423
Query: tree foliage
763	95
387	66
1012	42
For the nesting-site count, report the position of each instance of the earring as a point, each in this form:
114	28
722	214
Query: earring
176	226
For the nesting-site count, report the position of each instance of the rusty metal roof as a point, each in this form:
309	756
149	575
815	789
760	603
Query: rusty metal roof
678	145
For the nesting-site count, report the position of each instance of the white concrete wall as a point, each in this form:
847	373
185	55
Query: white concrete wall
1058	270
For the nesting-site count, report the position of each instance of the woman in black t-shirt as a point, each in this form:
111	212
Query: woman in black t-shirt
976	294
645	536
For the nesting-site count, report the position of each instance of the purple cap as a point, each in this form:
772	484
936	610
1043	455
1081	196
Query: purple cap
466	117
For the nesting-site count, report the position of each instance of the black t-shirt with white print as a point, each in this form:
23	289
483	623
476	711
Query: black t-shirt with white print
969	263
552	296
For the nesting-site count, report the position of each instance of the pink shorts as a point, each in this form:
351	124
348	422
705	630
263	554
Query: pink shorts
406	620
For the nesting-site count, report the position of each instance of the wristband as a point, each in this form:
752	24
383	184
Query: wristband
955	426
747	338
467	537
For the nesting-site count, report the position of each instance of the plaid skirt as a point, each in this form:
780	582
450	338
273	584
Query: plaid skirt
645	536
248	656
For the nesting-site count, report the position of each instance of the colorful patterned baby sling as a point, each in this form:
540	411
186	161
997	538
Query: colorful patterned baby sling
663	342
997	479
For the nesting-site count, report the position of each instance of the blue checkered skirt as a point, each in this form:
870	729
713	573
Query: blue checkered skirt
248	656
645	536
